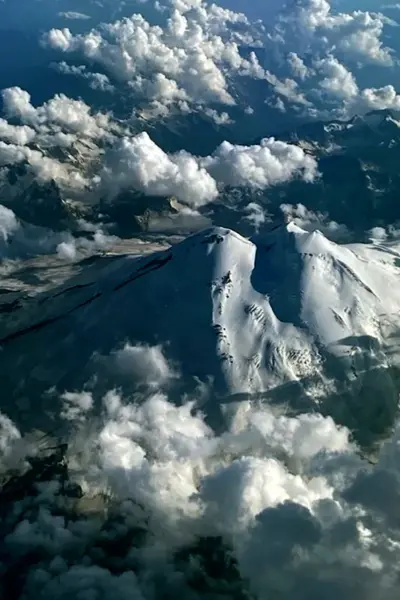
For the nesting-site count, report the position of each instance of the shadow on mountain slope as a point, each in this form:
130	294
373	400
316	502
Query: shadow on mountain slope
277	275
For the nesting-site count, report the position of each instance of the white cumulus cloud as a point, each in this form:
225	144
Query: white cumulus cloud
138	163
192	56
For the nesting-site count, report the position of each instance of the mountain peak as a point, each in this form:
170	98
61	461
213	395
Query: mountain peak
287	307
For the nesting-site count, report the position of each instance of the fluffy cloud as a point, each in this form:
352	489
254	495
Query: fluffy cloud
256	215
71	115
338	85
73	16
274	505
71	248
9	436
195	54
382	234
8	223
331	91
140	164
19	135
21	240
18	240
143	364
43	167
76	405
319	49
97	81
260	166
67	250
312	25
336	80
287	88
297	66
311	221
58	141
191	58
377	99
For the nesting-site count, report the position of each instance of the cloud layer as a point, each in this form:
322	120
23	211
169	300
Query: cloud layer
199	52
188	61
274	505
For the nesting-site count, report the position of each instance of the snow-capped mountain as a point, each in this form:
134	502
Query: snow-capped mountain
290	317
